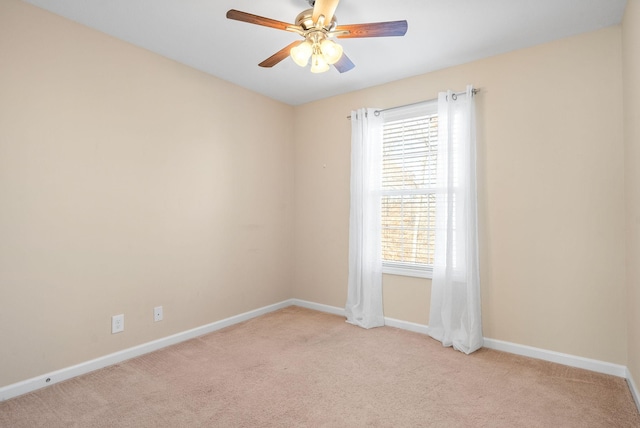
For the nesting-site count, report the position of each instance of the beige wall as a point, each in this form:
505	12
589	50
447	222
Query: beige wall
551	195
129	181
631	73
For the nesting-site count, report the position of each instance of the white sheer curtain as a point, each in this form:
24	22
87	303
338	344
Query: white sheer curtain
364	297
455	317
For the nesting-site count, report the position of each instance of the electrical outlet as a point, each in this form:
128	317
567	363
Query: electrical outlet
117	323
157	313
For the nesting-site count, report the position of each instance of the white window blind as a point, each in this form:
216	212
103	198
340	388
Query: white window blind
410	147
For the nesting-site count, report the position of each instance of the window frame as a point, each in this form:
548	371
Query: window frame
427	108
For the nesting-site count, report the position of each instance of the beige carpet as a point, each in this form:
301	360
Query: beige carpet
301	368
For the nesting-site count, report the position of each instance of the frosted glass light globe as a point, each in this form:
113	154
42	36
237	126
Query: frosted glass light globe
301	53
331	51
318	64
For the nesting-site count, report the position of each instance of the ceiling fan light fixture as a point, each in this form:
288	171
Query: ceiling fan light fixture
318	63
316	25
301	53
331	51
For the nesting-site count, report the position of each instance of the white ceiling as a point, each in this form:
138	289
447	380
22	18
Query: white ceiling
442	33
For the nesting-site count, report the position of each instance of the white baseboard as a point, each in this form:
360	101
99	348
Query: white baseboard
634	389
38	382
318	307
391	322
406	325
499	345
557	357
29	385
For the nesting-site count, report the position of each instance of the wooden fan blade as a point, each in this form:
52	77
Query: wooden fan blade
278	56
344	64
326	8
258	20
374	29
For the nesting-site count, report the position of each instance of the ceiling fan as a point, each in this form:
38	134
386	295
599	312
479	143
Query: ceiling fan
318	26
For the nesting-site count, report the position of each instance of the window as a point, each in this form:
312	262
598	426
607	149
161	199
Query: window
410	148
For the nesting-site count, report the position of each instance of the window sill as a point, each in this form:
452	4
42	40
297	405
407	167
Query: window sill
407	270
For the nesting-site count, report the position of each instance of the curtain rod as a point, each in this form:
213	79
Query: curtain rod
455	94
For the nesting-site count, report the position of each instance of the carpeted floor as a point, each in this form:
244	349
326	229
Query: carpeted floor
302	368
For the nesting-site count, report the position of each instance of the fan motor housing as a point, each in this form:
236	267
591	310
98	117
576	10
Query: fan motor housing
305	20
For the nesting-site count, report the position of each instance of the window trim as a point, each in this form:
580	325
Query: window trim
405	268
